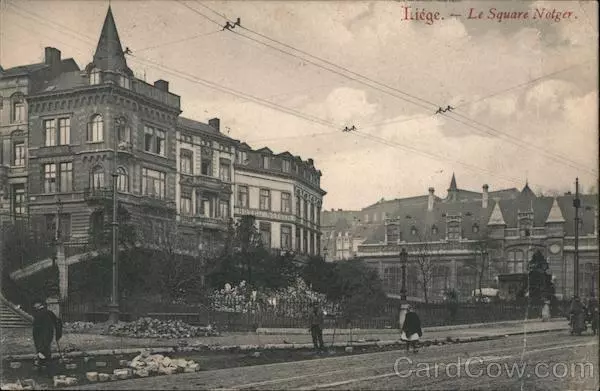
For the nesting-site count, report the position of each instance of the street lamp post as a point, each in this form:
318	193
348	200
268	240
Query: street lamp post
113	316
403	303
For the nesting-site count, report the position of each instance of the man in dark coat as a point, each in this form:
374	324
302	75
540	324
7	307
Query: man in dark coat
411	330
45	323
577	313
316	327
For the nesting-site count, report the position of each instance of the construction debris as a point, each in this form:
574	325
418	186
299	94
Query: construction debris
154	328
28	384
146	364
77	327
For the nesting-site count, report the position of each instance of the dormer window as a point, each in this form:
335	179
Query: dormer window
286	166
265	161
95	77
125	82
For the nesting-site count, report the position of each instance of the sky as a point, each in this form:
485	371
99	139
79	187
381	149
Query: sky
524	92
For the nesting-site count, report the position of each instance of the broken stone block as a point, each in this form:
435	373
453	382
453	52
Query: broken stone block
70	366
349	349
12	386
167	370
101	364
142	373
256	354
114	377
15	365
64	381
29	383
123	363
180	363
122	374
103	377
166	361
195	367
92	376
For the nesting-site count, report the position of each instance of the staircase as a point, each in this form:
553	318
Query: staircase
12	317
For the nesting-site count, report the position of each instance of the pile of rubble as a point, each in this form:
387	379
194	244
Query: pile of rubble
28	384
154	328
77	327
146	364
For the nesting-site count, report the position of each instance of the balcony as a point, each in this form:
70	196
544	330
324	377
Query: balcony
55	150
266	214
205	222
432	248
98	194
106	193
205	182
154	93
151	202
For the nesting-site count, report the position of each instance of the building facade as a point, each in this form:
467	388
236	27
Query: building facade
67	133
283	193
487	235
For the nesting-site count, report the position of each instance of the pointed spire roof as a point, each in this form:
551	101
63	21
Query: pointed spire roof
109	54
496	218
527	191
453	183
555	215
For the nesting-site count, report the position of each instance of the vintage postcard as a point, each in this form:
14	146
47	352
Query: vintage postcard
299	194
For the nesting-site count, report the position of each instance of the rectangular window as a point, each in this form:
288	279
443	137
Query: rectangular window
225	170
312	213
286	166
153	183
50	132
243	196
265	234
50	178
148	138
186	204
205	207
305	242
305	210
286	203
125	82
66	177
224	209
265	161
64	131
185	161
454	231
242	157
392	233
124	134
206	167
19	154
19	112
265	199
160	142
286	237
19	200
298	204
297	238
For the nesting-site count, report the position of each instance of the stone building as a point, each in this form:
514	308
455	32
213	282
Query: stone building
447	238
66	132
283	193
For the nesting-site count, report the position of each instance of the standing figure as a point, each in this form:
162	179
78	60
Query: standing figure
577	313
316	327
45	323
546	311
411	330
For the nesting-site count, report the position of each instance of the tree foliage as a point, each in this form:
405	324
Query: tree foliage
541	286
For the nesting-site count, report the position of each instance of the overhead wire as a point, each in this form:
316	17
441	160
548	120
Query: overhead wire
487	128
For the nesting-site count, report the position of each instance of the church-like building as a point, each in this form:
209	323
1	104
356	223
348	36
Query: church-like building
467	236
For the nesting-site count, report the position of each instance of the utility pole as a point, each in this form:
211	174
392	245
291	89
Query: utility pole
114	304
577	205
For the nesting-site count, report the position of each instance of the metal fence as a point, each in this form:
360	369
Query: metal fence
231	315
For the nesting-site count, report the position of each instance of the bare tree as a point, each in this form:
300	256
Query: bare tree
481	263
424	253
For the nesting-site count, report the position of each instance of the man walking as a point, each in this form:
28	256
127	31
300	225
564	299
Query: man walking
45	323
316	327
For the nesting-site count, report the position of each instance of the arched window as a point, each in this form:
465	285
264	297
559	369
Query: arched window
122	180
96	129
97	178
95	76
475	228
17	108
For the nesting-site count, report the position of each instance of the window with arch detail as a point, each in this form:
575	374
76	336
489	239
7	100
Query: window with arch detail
95	132
434	229
97	178
122	180
475	228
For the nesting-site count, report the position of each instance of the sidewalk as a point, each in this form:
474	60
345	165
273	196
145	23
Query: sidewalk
18	344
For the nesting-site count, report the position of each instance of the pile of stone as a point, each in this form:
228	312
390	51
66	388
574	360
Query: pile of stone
77	327
28	384
154	328
146	364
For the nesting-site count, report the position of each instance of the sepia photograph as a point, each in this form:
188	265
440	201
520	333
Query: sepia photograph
299	195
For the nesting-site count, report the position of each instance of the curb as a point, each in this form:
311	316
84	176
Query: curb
295	346
329	331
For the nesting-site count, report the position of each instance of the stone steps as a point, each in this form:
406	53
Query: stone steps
11	318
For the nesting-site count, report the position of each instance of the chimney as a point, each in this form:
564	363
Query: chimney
162	85
485	197
430	199
215	123
52	58
310	162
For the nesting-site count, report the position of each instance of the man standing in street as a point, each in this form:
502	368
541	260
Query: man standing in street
45	323
316	327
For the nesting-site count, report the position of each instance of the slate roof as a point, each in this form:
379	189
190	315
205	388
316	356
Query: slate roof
66	65
109	54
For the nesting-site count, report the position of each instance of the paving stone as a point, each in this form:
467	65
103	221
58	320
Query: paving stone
92	376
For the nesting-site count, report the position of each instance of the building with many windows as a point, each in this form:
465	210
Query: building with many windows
66	132
451	235
283	193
